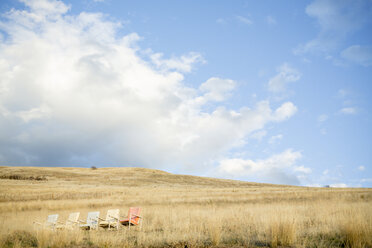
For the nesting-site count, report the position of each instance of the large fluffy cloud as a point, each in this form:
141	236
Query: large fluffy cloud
73	92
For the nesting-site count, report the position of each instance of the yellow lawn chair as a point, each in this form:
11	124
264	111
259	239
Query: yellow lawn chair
112	219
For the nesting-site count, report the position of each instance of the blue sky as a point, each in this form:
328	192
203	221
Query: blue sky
269	91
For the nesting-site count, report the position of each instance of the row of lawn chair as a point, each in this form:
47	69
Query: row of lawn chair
93	222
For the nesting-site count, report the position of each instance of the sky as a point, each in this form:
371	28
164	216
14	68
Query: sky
262	91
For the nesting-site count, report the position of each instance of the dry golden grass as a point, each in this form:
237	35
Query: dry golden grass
179	210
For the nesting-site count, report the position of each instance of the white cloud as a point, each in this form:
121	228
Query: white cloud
271	20
322	118
361	168
181	64
317	185
217	89
342	93
303	169
338	185
325	172
285	111
43	8
258	135
75	92
361	55
221	21
274	139
244	20
348	111
336	20
286	74
279	168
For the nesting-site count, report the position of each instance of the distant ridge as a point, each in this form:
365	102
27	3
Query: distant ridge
123	176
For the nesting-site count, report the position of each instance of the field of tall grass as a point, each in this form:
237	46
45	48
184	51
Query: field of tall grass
178	210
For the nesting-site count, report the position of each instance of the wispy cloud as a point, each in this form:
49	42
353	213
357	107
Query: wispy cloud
258	135
244	20
286	74
343	93
221	21
366	180
348	108
336	20
303	169
338	185
182	64
322	118
275	139
361	55
271	20
348	111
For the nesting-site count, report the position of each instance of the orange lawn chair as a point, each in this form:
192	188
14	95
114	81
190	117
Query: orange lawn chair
134	217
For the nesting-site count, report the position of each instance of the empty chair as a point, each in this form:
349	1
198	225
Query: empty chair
112	219
50	223
134	217
92	221
71	222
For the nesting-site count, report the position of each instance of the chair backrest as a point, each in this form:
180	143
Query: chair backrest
92	219
133	214
52	219
72	218
113	215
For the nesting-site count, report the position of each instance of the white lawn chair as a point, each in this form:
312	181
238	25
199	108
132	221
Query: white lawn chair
71	222
50	223
92	221
112	219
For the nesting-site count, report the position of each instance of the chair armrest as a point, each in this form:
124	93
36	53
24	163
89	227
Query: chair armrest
114	217
100	218
35	222
81	221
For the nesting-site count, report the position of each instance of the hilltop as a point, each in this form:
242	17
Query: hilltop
122	176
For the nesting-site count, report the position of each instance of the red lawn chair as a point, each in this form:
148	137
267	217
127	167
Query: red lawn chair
134	218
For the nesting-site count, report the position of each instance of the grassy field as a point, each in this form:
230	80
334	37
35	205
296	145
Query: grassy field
179	210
